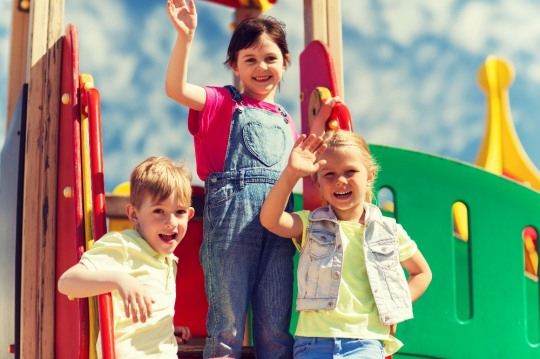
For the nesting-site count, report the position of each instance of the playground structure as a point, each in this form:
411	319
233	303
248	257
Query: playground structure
481	300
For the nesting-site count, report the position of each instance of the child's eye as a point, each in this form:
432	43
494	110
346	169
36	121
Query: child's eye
158	211
271	59
181	211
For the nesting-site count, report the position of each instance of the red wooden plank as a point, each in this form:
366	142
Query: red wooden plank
71	317
316	70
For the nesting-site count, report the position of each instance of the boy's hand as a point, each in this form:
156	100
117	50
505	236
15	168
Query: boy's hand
303	159
183	17
137	301
183	334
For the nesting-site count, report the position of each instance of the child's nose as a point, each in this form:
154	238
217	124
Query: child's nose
342	179
170	219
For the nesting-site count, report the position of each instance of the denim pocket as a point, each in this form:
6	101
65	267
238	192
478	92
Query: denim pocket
386	252
265	142
216	203
321	243
219	194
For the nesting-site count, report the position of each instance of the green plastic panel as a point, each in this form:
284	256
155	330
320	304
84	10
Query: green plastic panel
503	319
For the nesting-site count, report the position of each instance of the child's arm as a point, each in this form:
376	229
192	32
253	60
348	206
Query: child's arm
419	274
302	162
79	282
184	19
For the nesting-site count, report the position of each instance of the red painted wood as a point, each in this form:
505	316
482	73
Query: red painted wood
191	305
316	70
71	316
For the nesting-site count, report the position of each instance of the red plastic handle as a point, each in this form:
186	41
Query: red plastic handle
340	118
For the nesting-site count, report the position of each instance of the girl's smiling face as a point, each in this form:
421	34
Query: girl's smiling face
162	224
344	181
260	68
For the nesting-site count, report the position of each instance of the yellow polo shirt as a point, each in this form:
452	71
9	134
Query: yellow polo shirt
128	252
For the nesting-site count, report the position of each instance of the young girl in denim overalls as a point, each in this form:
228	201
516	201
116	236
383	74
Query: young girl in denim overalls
352	289
242	141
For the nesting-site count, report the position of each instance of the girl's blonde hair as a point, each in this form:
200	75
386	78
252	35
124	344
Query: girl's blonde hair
340	139
160	177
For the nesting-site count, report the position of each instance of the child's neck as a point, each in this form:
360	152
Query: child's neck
355	215
268	98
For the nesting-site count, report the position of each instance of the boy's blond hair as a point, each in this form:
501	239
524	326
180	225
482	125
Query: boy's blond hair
160	177
341	138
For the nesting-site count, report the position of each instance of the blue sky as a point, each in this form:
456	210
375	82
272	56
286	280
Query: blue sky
410	71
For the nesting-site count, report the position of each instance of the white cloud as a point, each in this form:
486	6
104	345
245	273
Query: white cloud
410	70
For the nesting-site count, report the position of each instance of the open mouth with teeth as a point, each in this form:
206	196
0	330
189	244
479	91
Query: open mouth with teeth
262	78
168	237
342	194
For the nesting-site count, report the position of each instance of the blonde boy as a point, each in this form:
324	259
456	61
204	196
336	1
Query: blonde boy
138	265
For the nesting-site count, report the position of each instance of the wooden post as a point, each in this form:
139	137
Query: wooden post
322	21
17	57
40	173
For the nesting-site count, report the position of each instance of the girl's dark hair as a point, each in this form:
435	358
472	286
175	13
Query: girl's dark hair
248	33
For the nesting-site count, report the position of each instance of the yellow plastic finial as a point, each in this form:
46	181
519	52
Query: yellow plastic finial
501	151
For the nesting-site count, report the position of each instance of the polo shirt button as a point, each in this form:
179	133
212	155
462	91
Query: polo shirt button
330	304
335	275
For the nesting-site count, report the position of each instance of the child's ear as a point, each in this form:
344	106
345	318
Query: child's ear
234	68
131	212
191	213
286	60
371	177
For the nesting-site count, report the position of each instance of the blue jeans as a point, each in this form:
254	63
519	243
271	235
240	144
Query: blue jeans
245	265
329	348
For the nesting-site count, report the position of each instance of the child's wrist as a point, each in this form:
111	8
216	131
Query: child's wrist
292	175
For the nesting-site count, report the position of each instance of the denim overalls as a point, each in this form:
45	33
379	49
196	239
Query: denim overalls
321	263
244	264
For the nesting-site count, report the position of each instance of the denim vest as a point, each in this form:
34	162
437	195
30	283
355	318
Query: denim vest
321	263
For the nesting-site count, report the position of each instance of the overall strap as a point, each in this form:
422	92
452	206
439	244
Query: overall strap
237	97
282	111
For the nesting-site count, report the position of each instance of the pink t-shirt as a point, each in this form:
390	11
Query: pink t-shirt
211	128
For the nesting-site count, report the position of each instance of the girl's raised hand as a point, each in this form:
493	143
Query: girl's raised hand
303	158
183	16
